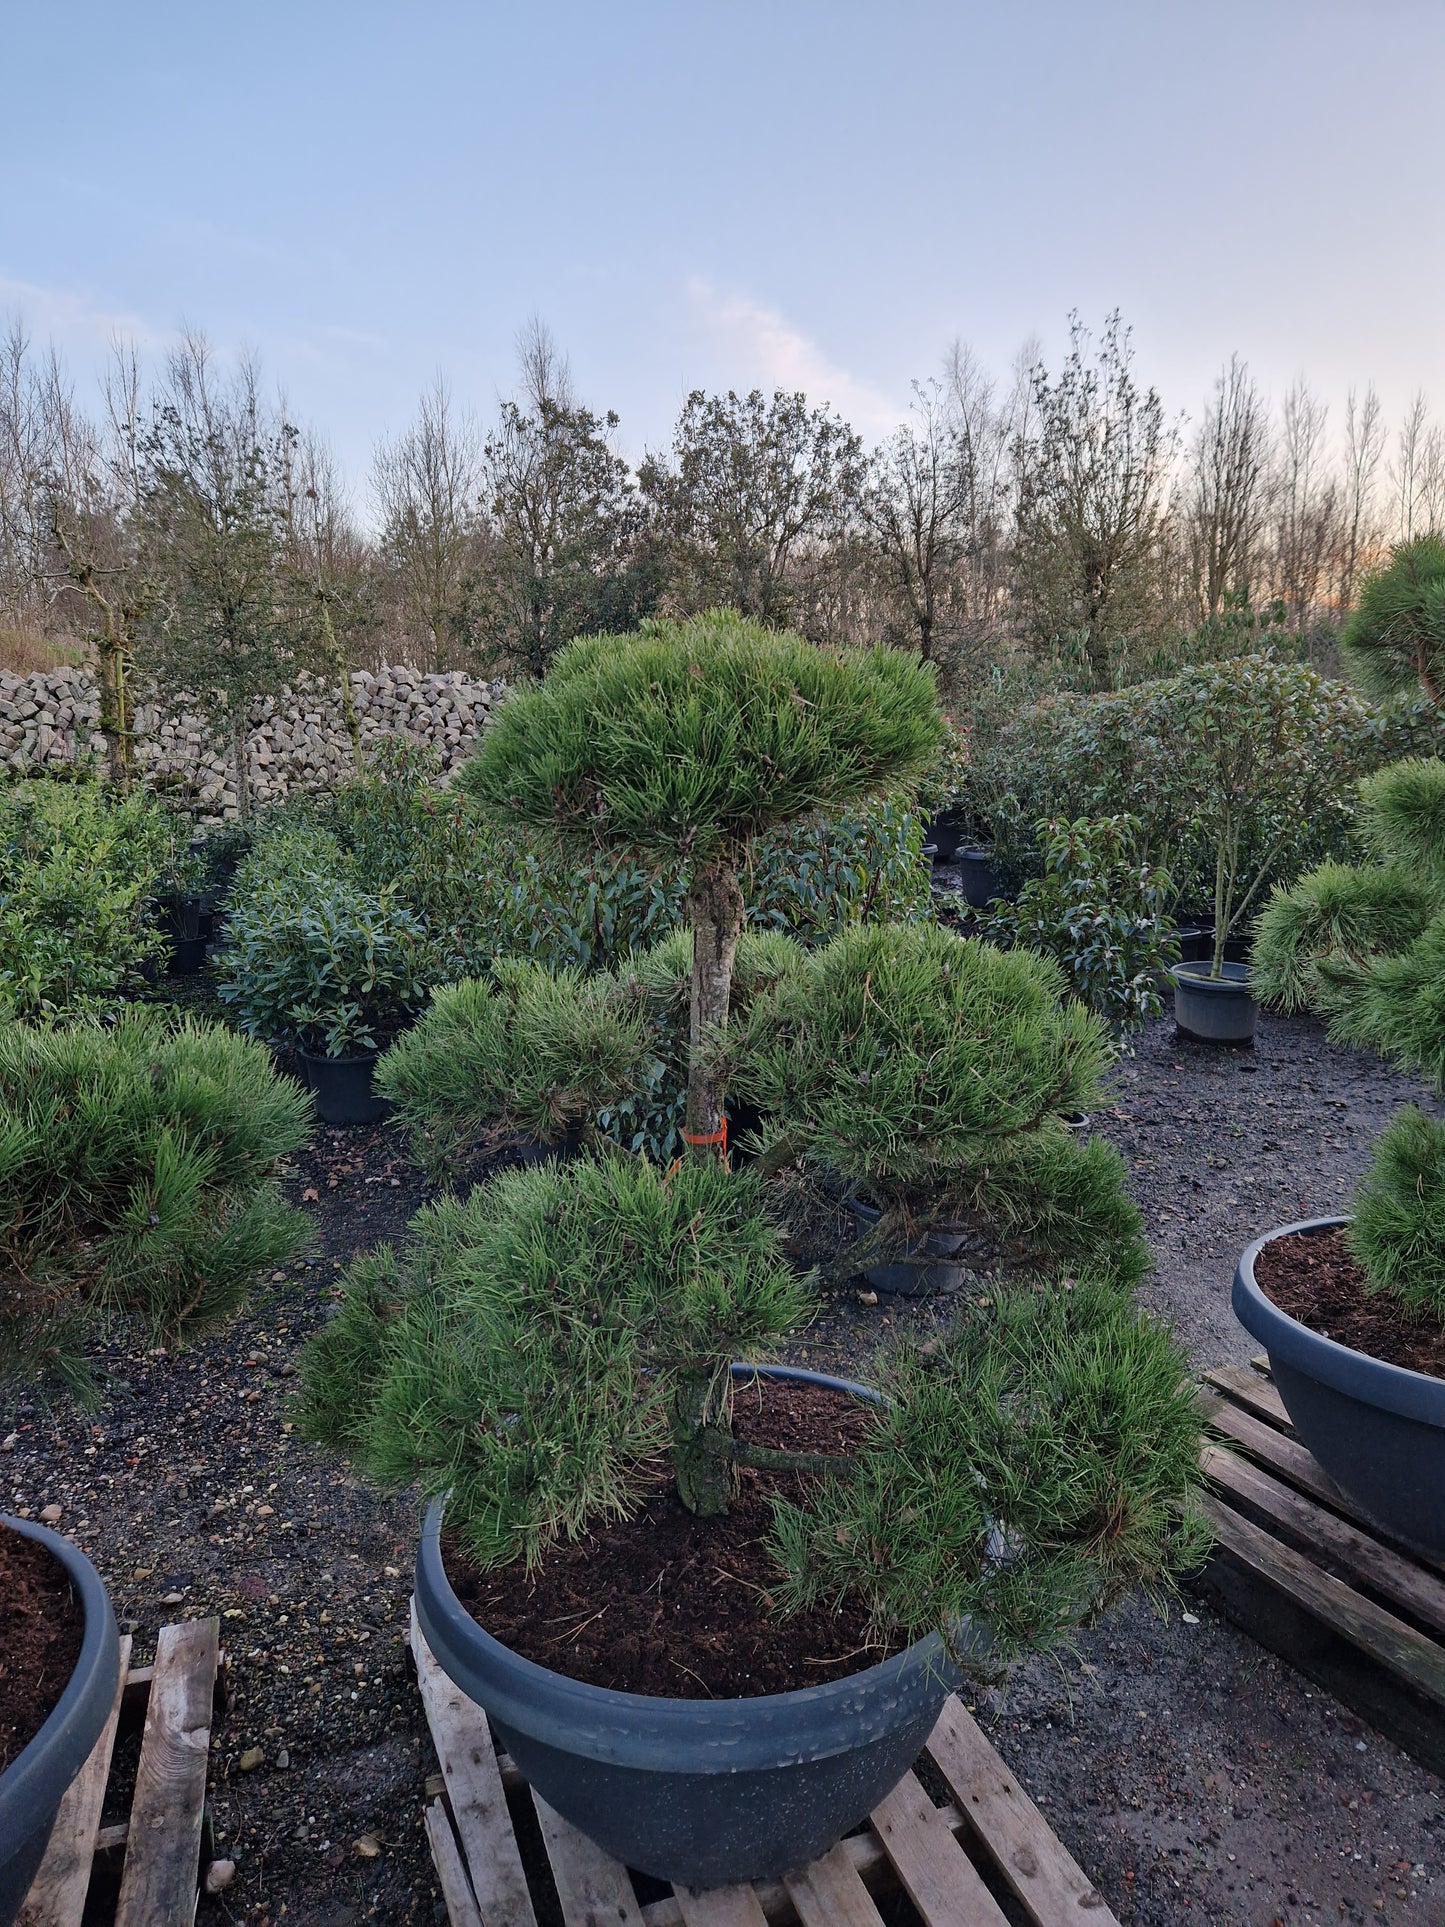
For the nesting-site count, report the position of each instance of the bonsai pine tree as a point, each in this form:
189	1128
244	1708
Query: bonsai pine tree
683	745
932	1072
1396	637
1365	945
530	1352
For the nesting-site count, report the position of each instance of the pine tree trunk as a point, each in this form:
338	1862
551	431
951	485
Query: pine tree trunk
715	905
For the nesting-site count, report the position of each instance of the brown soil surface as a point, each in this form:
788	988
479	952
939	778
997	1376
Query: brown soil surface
1314	1277
41	1630
668	1604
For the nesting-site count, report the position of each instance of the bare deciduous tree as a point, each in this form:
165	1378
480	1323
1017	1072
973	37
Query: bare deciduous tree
427	485
1308	504
1225	495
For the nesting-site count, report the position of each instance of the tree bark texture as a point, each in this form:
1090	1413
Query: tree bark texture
715	905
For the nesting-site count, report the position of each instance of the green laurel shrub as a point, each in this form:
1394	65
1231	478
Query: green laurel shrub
1102	913
137	1176
78	868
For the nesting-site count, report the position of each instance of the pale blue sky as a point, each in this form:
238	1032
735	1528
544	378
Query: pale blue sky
726	193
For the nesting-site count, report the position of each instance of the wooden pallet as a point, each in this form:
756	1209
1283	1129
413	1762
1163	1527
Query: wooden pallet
151	1865
986	1858
1307	1574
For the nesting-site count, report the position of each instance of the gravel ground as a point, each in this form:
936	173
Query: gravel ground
1193	1775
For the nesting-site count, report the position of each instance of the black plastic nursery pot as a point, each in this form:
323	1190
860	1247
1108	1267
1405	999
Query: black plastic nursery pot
342	1088
978	878
1377	1429
923	1271
186	957
707	1792
33	1785
943	834
1214	1010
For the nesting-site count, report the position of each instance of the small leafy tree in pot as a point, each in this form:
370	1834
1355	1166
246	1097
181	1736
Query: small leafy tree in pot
684	744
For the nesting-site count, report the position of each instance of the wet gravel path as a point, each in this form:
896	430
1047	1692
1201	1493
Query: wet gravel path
1193	1775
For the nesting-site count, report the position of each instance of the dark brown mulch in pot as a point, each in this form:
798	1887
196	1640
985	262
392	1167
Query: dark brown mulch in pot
668	1604
42	1626
1313	1277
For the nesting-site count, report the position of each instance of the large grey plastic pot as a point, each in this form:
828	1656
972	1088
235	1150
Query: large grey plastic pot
1214	1010
1377	1429
923	1271
708	1792
977	878
944	832
33	1785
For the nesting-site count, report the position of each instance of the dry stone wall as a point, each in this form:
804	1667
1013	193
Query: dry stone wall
297	741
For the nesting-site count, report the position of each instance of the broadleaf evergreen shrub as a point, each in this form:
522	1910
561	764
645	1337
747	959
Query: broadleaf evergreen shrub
78	868
1102	913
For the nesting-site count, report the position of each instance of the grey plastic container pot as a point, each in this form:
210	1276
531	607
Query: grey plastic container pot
1214	1010
34	1783
708	1792
923	1271
1377	1429
342	1088
978	878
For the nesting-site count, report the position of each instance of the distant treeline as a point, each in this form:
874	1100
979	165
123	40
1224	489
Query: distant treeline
1058	519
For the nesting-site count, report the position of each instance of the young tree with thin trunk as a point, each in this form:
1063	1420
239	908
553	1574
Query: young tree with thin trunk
223	627
332	567
1364	446
1307	514
91	491
686	742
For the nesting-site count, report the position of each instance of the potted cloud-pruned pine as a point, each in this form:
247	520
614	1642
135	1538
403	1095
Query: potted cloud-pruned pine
713	1608
1352	1312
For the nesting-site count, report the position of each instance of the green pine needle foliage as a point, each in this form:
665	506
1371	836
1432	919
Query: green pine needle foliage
1393	1005
1404	807
137	1176
1395	640
1034	1463
689	739
523	1054
522	1352
1398	1229
1337	910
895	1053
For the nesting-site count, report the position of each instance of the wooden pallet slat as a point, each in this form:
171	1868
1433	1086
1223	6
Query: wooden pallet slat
908	1842
1253	1390
57	1895
1385	1571
593	1888
160	1880
935	1872
830	1893
1399	1647
720	1907
468	1761
1025	1848
461	1903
